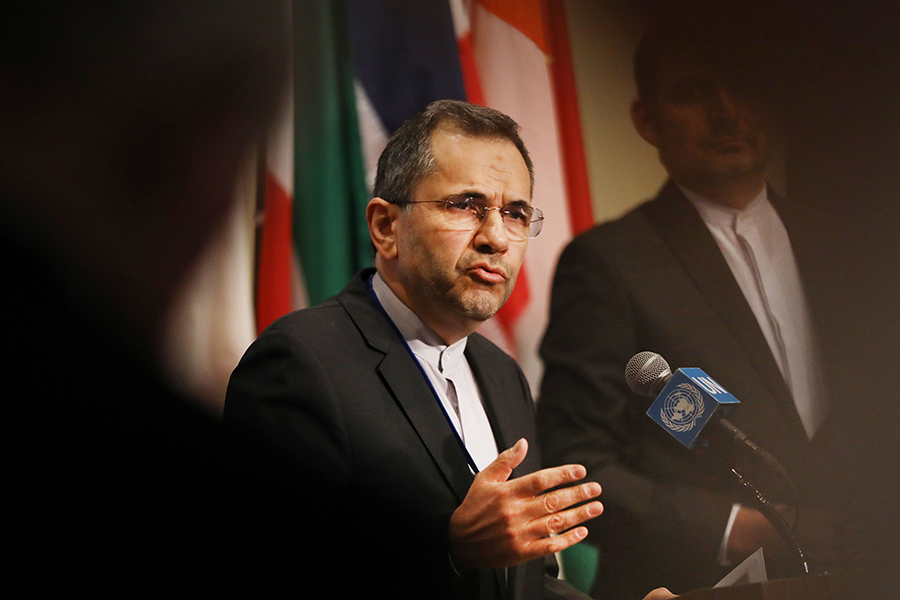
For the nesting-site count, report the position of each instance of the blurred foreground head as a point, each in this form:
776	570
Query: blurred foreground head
122	124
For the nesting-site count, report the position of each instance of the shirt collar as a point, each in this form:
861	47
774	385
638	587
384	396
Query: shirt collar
715	213
422	340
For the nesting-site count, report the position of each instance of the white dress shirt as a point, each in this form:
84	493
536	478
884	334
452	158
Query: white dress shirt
756	247
758	251
450	375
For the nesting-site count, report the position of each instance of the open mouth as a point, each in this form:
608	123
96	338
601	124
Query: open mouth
486	274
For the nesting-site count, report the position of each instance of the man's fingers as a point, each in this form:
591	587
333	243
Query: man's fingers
557	543
558	522
503	465
558	500
558	531
505	523
545	479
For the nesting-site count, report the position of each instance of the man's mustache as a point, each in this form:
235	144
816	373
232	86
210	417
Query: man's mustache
492	264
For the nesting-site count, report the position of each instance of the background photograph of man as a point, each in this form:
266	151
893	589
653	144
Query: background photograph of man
705	275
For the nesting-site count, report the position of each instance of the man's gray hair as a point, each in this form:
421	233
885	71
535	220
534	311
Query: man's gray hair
407	159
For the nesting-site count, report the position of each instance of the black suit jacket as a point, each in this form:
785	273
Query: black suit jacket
656	280
336	390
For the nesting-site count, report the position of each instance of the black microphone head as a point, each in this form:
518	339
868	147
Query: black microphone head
647	373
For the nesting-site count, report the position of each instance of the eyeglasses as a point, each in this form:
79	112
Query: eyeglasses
466	212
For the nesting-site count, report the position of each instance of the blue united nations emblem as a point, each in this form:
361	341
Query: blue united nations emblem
682	407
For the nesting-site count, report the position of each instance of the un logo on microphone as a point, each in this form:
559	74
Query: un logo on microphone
682	408
689	401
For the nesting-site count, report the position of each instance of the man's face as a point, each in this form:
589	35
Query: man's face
453	279
707	133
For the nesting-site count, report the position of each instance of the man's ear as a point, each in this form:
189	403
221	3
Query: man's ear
645	122
381	217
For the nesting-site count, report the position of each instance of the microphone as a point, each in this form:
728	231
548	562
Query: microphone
688	401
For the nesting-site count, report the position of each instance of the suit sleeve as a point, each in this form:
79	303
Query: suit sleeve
587	415
289	399
280	396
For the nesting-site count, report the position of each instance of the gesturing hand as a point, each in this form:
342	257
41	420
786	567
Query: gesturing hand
503	523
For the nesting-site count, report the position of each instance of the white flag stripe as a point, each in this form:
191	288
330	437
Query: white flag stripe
280	144
211	323
372	131
515	79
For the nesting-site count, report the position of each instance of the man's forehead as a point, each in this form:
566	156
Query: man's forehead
688	66
725	67
453	150
445	136
460	148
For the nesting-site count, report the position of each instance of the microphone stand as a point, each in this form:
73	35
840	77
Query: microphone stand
775	518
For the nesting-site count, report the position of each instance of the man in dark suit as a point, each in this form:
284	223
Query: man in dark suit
705	275
415	434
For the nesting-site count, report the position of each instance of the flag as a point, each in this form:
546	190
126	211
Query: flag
330	197
210	323
220	308
279	287
313	236
362	67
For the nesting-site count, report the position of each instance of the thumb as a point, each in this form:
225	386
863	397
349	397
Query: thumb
660	594
503	465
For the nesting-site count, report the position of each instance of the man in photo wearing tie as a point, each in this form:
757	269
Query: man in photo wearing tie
705	275
414	435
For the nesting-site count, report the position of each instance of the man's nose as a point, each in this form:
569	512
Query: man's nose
723	105
491	236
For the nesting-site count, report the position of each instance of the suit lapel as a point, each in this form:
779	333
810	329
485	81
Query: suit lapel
491	395
504	420
680	226
416	398
408	385
414	395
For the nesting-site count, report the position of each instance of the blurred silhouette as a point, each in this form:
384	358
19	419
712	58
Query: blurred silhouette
122	125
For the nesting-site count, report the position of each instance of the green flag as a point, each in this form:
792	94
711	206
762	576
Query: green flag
330	193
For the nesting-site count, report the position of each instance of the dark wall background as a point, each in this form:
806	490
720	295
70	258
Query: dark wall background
841	91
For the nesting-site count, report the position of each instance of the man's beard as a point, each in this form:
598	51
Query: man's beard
480	306
473	302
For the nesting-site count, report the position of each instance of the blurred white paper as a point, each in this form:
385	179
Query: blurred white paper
752	570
